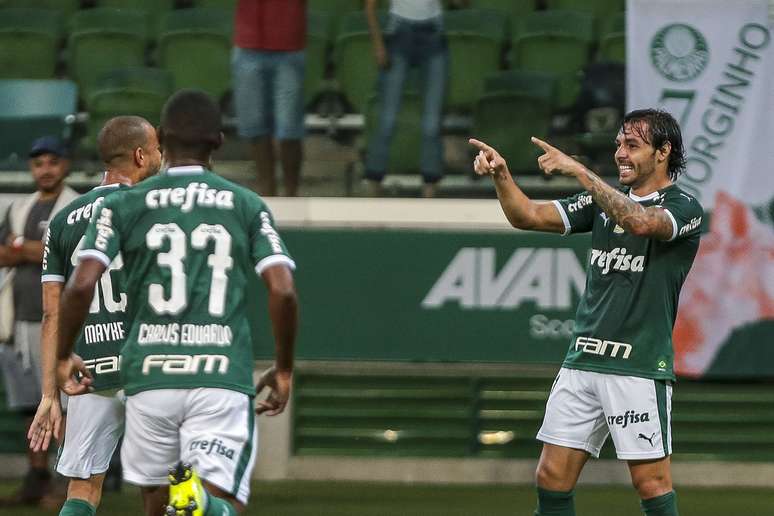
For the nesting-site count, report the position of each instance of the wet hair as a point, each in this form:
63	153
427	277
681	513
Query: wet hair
191	123
657	127
120	136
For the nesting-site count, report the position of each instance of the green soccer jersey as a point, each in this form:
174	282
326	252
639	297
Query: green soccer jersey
189	239
626	314
102	336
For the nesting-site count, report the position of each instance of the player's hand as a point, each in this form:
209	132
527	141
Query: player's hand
67	371
555	160
488	161
279	383
46	423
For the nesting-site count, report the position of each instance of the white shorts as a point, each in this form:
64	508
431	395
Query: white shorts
95	423
585	407
213	429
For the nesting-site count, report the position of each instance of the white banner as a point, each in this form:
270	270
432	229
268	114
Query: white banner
711	64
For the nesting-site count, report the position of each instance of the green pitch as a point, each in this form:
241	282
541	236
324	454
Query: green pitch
372	499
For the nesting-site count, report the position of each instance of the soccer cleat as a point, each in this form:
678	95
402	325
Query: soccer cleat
186	493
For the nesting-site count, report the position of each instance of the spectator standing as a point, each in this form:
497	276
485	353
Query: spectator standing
268	64
21	250
413	37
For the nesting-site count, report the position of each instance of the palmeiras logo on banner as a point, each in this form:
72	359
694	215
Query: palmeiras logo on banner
679	52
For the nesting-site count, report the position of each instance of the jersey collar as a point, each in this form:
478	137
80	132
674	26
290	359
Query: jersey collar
649	197
185	170
111	185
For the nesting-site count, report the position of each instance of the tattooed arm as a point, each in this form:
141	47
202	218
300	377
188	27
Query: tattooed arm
652	221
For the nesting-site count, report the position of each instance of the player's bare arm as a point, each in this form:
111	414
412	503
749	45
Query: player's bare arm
73	309
283	312
48	417
627	213
521	211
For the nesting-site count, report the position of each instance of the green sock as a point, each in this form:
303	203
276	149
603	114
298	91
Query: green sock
219	507
664	505
555	503
76	507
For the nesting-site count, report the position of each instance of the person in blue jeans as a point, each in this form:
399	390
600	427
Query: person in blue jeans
413	37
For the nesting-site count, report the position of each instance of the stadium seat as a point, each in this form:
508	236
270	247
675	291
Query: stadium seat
65	7
129	91
356	70
612	42
154	9
195	45
601	10
30	109
102	39
217	4
515	106
475	38
557	42
317	42
29	43
406	145
514	10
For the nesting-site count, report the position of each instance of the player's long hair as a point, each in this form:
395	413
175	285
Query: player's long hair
658	127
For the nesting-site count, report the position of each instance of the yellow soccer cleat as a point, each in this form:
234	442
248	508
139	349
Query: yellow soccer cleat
187	496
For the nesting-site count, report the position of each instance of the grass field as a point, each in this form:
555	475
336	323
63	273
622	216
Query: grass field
372	499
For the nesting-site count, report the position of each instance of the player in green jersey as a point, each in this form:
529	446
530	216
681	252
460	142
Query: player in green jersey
617	375
189	239
130	151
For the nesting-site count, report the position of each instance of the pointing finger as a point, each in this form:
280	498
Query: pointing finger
479	145
540	143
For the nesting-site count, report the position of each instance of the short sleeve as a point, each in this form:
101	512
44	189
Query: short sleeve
103	236
577	212
685	212
266	246
54	262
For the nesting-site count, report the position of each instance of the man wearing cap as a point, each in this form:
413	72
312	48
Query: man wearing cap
21	252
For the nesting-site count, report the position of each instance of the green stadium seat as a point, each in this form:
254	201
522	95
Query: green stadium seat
65	7
129	91
195	45
599	9
514	10
612	42
318	41
30	109
356	70
557	42
102	39
29	43
217	4
475	38
154	9
406	145
515	106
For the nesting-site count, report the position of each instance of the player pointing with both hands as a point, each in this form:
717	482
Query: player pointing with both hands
616	378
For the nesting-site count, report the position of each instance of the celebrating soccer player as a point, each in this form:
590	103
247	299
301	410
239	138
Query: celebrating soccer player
617	376
130	151
189	239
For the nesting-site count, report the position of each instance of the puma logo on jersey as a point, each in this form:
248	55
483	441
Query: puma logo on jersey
646	438
583	200
199	194
617	260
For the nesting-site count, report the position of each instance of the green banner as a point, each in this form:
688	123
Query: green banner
433	295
